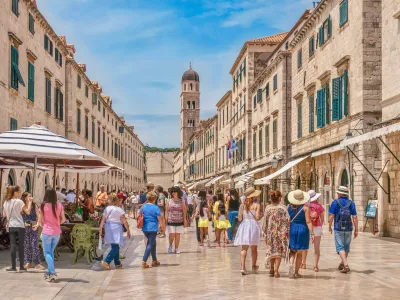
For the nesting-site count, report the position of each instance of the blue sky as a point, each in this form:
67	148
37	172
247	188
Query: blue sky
138	50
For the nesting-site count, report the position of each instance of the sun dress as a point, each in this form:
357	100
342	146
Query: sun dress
276	231
248	232
299	232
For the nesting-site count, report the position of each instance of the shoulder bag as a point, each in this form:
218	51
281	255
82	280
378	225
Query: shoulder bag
140	219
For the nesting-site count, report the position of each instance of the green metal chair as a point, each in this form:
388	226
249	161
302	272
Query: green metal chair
92	223
82	239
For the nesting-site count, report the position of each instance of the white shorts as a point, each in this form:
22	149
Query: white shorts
175	229
318	231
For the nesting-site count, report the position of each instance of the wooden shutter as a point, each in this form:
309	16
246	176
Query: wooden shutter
254	144
56	54
98	136
329	25
46	43
267	90
299	58
93	132
327	104
61	106
31	24
336	99
260	141
244	66
48	95
254	101
345	93
344	14
311	114
31	81
311	47
320	109
56	107
13	124
275	82
274	134
299	121
321	35
259	95
60	61
78	121
86	127
266	138
51	48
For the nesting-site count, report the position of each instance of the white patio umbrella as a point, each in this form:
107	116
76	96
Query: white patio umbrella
38	145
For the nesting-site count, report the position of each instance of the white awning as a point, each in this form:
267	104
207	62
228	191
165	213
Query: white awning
288	166
213	181
371	135
239	184
327	150
200	182
226	181
250	174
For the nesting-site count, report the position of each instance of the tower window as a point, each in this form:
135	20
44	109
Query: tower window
188	105
191	87
184	87
193	105
197	87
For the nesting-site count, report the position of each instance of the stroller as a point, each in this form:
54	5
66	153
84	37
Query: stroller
4	236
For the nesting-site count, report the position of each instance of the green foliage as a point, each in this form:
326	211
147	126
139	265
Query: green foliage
155	149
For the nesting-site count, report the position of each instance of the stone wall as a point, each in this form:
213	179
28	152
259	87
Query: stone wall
160	168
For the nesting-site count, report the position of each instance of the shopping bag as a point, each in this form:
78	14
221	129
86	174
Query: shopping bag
100	245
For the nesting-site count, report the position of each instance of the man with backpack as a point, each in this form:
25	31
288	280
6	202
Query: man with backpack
343	212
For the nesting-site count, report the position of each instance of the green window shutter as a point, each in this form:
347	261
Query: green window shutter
79	81
56	103
104	141
78	121
311	114
241	71
344	13
93	132
13	124
48	95
60	59
46	42
98	137
86	127
259	95
233	82
329	25
267	138
86	91
16	76
299	58
274	134
336	99
51	48
345	93
311	46
321	35
31	81
244	66
254	144
31	24
14	7
254	101
320	109
260	141
98	105
56	54
275	82
121	129
299	121
267	90
327	104
61	107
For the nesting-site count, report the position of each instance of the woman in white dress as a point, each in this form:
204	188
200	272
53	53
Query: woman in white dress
248	233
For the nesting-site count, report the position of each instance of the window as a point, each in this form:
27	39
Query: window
16	76
48	45
311	114
344	179
86	127
325	31
48	95
274	134
323	107
94	98
254	101
299	121
86	91
311	46
79	81
58	57
244	66
78	121
93	132
275	82
13	124
31	23
254	144
260	141
267	90
104	141
299	58
259	95
267	138
14	7
339	97
98	105
344	13
59	104
98	136
31	81
193	105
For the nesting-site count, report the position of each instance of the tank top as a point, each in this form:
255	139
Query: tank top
51	224
233	204
175	213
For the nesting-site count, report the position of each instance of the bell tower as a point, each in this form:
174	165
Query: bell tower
190	105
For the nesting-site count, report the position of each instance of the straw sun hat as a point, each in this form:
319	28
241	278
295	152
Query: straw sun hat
313	195
252	192
343	190
298	197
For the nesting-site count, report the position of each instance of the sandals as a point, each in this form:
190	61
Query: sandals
255	268
303	266
277	275
244	272
271	272
155	263
105	265
316	269
144	265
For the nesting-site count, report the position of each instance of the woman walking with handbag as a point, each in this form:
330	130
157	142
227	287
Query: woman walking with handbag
12	210
248	233
276	232
300	229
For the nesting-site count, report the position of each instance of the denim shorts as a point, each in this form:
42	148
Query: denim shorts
343	240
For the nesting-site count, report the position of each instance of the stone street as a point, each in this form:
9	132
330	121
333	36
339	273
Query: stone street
206	273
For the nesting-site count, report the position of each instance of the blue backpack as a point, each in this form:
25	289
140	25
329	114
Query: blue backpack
343	218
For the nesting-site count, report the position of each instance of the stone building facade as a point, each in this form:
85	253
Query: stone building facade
160	167
223	134
38	83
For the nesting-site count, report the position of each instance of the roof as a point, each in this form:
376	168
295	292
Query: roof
191	75
224	97
268	40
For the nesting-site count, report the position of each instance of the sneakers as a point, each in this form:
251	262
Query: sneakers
291	271
170	249
177	251
22	270
50	277
11	270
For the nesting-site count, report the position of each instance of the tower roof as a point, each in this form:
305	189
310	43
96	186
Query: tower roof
191	75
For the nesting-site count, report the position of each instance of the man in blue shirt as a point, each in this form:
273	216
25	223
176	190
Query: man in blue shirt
143	197
343	212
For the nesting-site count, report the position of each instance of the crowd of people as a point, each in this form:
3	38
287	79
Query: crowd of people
238	220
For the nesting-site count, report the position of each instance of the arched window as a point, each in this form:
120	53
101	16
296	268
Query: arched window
11	177
193	105
28	183
344	179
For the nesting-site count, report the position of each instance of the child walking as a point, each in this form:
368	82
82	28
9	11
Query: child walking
203	213
223	223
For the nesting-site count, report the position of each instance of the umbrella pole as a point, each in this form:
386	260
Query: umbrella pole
77	187
54	176
34	176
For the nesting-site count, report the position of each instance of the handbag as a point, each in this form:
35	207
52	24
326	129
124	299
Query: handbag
287	257
140	220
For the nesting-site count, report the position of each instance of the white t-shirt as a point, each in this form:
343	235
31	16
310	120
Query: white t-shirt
190	199
70	197
13	210
135	199
60	197
113	214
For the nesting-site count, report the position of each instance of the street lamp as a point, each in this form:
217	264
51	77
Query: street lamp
274	162
348	136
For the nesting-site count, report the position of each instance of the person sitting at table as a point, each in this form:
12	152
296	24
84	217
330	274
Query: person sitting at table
87	205
112	220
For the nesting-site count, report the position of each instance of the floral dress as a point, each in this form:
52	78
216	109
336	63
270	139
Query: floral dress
276	230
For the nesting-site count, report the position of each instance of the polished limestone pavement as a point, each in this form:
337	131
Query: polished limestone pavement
214	273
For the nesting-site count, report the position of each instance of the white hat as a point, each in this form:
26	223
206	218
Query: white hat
343	190
298	197
313	195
